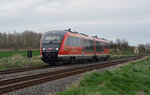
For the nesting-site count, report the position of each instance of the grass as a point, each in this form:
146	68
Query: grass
132	79
122	52
6	54
18	59
125	52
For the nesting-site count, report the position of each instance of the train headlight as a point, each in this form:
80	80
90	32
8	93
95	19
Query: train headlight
56	48
43	48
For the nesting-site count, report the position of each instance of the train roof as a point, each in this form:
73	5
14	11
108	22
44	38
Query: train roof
63	32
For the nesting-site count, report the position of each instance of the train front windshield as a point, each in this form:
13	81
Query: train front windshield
51	42
52	39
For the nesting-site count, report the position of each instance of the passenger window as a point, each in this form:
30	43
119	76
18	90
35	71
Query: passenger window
73	41
89	45
99	46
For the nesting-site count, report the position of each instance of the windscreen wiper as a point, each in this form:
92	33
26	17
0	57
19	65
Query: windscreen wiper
53	40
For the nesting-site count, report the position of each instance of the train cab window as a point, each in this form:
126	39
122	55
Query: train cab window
73	41
52	39
67	41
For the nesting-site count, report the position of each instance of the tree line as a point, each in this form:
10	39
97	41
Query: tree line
145	47
123	44
31	39
119	44
26	39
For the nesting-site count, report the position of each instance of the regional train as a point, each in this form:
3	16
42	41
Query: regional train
68	46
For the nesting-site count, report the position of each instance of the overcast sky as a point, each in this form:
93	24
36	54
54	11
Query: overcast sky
110	19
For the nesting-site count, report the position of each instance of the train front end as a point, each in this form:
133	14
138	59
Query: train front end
50	46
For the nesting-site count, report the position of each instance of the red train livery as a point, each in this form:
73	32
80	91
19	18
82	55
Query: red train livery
69	46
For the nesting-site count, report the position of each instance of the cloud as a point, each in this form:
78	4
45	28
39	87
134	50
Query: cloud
79	6
109	18
75	6
16	7
65	7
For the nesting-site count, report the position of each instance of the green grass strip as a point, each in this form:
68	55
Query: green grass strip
132	79
6	54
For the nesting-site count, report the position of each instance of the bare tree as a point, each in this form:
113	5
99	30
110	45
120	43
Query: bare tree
26	39
144	47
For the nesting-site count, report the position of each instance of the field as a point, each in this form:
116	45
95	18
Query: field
18	59
131	79
6	54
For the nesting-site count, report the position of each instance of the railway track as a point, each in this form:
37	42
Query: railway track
24	69
33	68
7	85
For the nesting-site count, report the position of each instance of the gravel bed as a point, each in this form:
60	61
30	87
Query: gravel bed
48	88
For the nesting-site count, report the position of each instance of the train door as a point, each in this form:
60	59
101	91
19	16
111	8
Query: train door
83	46
107	48
103	48
94	47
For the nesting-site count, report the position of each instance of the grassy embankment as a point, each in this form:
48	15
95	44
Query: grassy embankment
131	79
18	59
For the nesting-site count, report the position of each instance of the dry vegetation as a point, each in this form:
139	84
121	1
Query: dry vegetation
19	61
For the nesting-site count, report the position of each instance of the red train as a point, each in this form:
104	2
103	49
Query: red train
70	46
